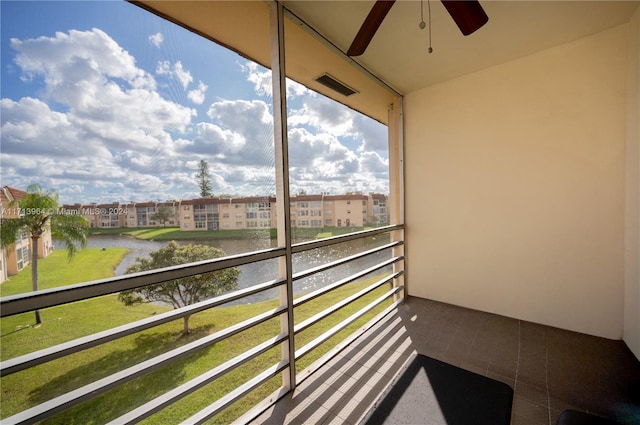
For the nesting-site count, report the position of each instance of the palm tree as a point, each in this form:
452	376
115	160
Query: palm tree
39	211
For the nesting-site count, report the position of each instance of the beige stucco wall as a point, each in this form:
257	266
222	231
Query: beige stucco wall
515	187
632	206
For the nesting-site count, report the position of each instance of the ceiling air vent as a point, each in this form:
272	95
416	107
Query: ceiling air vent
328	81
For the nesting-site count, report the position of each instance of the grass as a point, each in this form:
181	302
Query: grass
62	323
57	270
174	233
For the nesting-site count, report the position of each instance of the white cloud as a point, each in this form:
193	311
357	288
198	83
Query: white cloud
323	114
213	140
258	76
182	74
164	68
76	57
373	163
176	71
197	95
29	127
102	131
110	108
109	99
296	89
156	39
240	114
261	79
373	135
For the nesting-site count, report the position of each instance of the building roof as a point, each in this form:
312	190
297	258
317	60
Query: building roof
12	194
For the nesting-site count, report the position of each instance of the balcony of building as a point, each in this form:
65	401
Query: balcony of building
550	370
514	200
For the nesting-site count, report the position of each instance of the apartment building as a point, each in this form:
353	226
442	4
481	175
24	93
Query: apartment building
200	214
377	206
307	211
227	213
259	212
253	212
114	215
316	211
107	215
18	256
150	214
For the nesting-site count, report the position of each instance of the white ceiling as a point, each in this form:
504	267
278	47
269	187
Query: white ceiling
398	51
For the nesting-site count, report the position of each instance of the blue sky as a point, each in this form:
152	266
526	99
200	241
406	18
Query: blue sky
105	102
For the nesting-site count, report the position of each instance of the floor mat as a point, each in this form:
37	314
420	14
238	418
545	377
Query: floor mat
432	392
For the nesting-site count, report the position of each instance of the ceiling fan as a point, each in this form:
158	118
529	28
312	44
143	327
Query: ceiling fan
467	14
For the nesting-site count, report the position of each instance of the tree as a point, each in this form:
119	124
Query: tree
204	179
37	212
185	291
162	214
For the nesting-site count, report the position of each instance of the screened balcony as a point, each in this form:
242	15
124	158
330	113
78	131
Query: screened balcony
513	248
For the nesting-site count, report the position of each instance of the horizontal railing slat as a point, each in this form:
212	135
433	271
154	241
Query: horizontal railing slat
303	351
321	291
187	388
319	243
21	303
17	364
332	264
300	377
210	411
337	306
16	304
72	398
271	399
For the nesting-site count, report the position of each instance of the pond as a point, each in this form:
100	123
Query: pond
255	273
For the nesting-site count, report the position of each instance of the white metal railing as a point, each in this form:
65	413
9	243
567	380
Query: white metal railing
46	298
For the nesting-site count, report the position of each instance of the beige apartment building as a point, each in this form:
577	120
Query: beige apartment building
150	214
141	214
256	212
307	211
227	213
18	256
355	210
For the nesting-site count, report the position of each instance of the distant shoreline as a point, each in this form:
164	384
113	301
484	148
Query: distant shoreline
174	233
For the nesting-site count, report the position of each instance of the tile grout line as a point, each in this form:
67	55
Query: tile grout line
453	335
546	373
475	337
515	382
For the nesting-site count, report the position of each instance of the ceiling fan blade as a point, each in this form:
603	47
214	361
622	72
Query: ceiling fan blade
369	27
467	14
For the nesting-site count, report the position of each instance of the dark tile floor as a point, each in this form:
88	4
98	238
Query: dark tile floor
549	369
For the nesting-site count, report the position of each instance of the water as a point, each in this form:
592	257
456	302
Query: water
263	271
136	247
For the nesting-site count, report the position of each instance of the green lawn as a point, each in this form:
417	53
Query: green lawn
57	270
62	323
